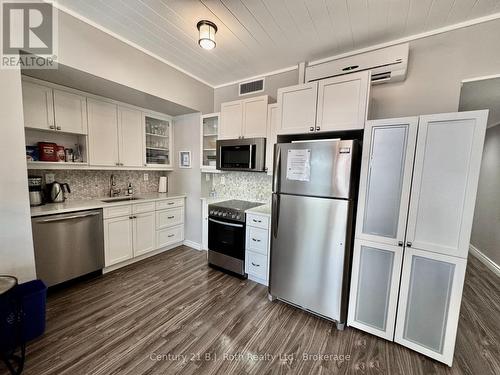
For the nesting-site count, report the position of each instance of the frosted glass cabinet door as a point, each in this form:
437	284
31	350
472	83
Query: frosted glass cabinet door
386	172
376	271
446	174
429	303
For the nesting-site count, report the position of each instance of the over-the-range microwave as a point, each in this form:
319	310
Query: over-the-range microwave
244	154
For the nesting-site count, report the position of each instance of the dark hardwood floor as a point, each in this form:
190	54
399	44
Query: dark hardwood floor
173	314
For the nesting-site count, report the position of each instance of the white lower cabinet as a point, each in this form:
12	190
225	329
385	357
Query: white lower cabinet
374	287
118	242
133	230
257	248
144	232
429	303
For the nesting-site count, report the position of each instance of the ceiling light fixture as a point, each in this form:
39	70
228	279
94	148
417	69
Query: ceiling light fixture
207	30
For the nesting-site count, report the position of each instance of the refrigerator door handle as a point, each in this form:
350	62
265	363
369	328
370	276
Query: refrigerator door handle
275	210
277	169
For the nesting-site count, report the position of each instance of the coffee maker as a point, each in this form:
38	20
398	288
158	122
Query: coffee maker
35	190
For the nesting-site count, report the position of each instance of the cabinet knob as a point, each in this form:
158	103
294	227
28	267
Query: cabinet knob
311	128
58	127
52	127
400	243
408	244
130	217
318	128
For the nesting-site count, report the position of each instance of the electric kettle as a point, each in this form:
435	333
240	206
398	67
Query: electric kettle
57	190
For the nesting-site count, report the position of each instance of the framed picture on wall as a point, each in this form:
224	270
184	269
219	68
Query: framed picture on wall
184	159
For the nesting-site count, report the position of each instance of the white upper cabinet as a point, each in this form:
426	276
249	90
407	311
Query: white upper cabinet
231	120
386	171
272	123
70	111
131	137
244	118
446	173
103	133
38	106
297	108
255	117
343	102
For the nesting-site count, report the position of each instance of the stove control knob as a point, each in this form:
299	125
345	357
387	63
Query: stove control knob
238	217
233	216
224	214
218	213
211	212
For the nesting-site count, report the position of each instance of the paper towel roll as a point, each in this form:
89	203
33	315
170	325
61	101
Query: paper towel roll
162	186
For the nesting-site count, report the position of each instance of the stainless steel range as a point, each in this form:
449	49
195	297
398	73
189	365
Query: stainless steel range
226	235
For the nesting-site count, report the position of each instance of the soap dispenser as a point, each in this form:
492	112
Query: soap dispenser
130	189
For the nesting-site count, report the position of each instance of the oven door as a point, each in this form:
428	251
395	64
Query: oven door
226	238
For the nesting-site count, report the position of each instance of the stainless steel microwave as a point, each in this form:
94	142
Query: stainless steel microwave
245	154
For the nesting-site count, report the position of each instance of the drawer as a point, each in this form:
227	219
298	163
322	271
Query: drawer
170	203
256	265
258	221
168	236
139	208
169	218
117	211
257	239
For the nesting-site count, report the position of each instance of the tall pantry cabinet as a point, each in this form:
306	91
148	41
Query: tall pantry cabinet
418	186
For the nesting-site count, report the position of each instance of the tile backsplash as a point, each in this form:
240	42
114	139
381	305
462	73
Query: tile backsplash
95	184
243	185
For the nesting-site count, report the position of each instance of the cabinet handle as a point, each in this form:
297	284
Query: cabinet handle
400	243
58	127
171	235
170	203
52	127
408	244
130	217
311	129
257	221
318	128
117	163
170	217
256	240
255	265
145	165
135	217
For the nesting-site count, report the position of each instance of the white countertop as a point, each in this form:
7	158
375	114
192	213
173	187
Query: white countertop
91	204
264	210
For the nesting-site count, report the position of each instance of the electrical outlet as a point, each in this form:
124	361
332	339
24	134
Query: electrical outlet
146	177
222	180
49	178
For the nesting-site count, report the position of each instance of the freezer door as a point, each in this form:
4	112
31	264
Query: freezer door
307	252
329	164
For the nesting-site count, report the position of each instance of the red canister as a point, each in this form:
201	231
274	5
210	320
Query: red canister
47	151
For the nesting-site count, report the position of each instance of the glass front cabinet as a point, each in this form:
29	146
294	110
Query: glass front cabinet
158	140
209	132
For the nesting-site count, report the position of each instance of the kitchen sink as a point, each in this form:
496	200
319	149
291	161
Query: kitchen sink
120	199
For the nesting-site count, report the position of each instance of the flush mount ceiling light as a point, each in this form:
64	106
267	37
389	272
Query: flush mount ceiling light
207	32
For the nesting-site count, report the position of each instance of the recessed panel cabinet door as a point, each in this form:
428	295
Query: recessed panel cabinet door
255	117
376	271
343	102
70	112
429	303
118	243
103	133
446	174
131	134
144	233
386	171
38	105
297	108
231	120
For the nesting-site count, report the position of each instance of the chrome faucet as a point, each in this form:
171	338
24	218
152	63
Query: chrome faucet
113	191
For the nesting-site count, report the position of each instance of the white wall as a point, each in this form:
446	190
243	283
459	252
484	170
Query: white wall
88	49
188	181
16	243
437	66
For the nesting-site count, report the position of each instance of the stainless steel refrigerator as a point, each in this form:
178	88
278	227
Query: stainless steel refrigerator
314	190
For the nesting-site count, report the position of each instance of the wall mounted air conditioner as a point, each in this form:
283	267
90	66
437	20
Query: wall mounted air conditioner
387	65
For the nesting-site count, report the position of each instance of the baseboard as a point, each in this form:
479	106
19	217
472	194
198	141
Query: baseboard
192	244
484	259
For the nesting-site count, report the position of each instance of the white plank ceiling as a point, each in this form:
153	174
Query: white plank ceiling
259	36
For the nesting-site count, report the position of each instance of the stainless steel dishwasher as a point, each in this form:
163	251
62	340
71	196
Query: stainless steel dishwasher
68	245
